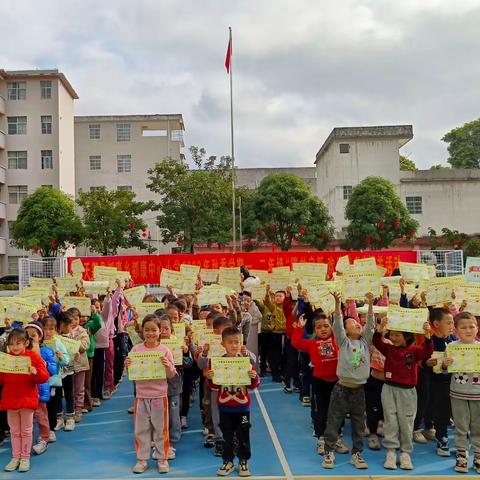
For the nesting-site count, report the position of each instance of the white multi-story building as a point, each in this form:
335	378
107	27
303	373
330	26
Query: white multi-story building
36	143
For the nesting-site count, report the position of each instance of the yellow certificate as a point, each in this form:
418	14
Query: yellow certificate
14	364
72	346
313	269
414	272
147	366
68	284
261	274
213	294
133	335
215	346
466	357
175	348
77	266
40	282
98	287
439	290
209	275
258	291
143	309
327	303
189	284
171	278
365	264
180	331
394	291
356	285
231	371
135	295
102	270
342	264
439	356
82	303
229	277
19	310
190	270
281	271
406	319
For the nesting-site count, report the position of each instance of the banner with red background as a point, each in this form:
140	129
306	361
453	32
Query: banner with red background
145	269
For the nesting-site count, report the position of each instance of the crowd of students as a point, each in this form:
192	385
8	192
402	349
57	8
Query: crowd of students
344	366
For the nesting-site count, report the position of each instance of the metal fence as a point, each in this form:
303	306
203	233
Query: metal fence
47	267
447	262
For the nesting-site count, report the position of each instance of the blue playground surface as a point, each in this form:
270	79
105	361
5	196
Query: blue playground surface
281	436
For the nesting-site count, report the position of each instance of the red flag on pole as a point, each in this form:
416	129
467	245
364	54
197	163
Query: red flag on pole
229	55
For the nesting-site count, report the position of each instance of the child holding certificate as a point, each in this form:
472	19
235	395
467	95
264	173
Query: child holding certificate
399	397
151	402
234	406
353	370
20	398
465	398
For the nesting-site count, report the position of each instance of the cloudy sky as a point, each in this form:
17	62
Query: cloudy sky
300	67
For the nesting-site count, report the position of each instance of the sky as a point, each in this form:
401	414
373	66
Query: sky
300	68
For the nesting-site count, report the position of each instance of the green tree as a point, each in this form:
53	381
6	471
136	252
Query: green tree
377	216
195	205
439	167
284	208
464	145
112	220
407	164
47	223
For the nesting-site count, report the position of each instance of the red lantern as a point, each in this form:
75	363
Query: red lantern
396	224
180	241
273	227
381	224
144	232
132	227
302	230
411	233
54	244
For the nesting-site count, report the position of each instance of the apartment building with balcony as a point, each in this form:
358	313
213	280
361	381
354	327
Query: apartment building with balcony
36	143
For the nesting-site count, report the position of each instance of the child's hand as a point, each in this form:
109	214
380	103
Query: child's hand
423	297
184	349
209	374
252	373
165	362
206	348
302	321
33	370
453	294
370	298
463	306
244	351
431	362
35	316
337	296
128	362
447	361
402	284
426	329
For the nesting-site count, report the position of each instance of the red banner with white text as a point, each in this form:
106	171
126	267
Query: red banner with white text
145	269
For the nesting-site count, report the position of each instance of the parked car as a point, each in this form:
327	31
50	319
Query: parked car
9	280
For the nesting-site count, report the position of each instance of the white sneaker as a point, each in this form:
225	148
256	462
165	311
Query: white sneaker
429	434
328	460
374	443
60	424
390	460
340	446
171	453
405	461
52	438
163	466
358	461
69	424
321	446
24	465
419	437
12	465
140	467
40	447
96	402
107	395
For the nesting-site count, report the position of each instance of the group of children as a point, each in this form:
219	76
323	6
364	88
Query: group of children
344	366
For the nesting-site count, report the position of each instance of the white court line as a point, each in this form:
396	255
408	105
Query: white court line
273	434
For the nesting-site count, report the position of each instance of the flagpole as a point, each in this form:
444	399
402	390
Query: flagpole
234	227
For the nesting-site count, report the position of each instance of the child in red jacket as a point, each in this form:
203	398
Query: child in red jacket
20	399
399	397
323	352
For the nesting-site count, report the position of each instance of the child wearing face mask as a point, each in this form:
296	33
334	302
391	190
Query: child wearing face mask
20	398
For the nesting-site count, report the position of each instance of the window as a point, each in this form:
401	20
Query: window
45	89
46	124
95	162
347	192
153	133
17	160
17	125
344	148
127	188
177	136
94	131
124	163
123	132
414	205
17	90
13	264
16	193
47	160
47	186
95	189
